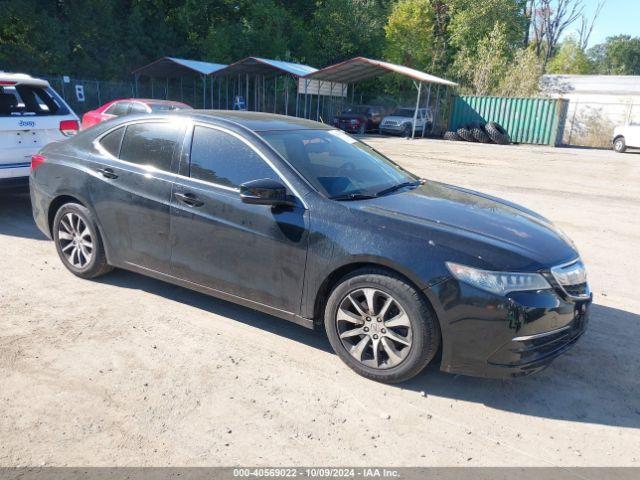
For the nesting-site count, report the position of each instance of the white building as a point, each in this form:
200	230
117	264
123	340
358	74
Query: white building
597	104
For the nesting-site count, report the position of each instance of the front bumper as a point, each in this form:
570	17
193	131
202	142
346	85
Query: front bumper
348	127
502	337
392	130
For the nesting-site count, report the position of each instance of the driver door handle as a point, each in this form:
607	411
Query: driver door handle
188	199
108	173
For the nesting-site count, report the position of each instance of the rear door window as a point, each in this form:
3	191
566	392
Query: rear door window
151	143
30	100
221	158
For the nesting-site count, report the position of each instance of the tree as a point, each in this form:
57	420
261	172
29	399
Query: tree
570	59
522	76
31	38
619	55
472	21
264	28
341	29
482	70
411	34
549	20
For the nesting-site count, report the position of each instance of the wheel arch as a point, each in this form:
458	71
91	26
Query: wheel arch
339	272
63	199
56	204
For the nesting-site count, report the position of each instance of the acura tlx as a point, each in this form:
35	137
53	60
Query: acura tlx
299	220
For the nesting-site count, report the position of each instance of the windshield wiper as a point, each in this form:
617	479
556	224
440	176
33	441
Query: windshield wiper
398	187
352	196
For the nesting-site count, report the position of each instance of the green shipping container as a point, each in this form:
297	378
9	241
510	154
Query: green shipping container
526	120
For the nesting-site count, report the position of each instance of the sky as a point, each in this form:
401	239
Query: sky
616	18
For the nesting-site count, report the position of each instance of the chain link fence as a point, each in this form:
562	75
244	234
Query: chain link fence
83	95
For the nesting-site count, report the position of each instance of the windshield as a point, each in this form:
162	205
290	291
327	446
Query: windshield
360	109
404	112
336	164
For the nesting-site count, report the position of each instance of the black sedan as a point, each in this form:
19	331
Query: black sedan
304	222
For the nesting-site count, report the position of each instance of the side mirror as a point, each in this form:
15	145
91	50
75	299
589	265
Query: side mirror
264	192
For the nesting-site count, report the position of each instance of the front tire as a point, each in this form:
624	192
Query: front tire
78	241
407	131
619	145
381	326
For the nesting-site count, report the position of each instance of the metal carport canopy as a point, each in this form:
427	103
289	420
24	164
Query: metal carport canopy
361	68
265	66
178	67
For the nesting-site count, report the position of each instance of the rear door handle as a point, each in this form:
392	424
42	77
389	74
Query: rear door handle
108	173
188	199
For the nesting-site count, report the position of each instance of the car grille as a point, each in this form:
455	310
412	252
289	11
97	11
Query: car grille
572	279
578	290
390	123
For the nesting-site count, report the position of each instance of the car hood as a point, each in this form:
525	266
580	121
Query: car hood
478	217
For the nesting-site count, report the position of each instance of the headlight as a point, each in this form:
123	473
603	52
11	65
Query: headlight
499	283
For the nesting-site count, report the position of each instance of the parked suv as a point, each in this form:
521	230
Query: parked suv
359	119
31	115
302	221
627	136
401	120
127	106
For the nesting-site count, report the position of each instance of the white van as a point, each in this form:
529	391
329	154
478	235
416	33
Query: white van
32	115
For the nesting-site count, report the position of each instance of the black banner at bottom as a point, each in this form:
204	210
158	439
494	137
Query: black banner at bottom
322	473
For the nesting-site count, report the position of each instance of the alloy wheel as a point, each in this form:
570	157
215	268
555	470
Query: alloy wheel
374	328
74	238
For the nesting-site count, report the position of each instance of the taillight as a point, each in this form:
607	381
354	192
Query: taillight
69	127
37	160
6	83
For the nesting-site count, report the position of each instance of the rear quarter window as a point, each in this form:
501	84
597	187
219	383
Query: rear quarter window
111	141
30	100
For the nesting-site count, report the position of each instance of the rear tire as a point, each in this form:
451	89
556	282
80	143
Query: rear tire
78	241
619	145
391	344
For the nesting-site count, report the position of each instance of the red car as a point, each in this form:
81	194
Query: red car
125	106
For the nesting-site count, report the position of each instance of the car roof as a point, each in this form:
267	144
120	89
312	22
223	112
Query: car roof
22	78
148	100
256	121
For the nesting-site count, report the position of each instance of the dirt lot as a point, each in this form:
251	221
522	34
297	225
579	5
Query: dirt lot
131	371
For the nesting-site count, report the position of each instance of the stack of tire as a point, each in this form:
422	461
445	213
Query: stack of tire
490	132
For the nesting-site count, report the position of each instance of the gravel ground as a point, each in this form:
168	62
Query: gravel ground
130	371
